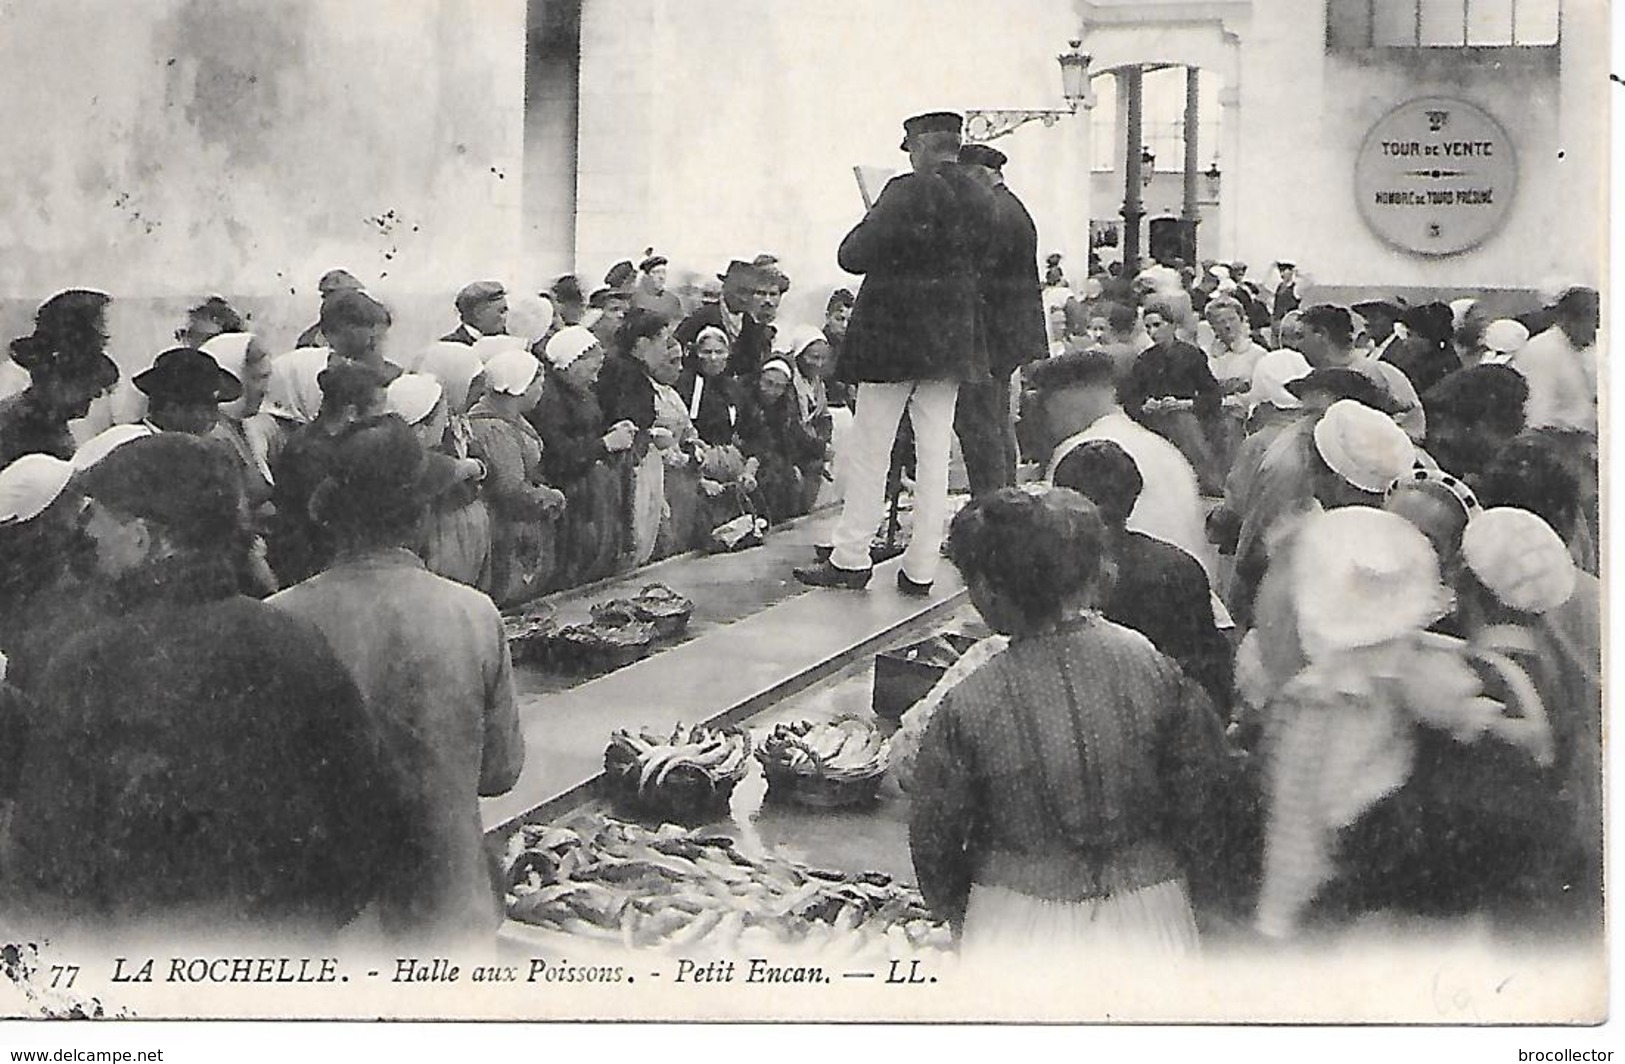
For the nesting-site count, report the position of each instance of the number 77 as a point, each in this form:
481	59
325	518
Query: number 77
58	971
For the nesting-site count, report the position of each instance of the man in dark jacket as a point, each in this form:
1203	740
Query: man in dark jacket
225	777
332	281
1285	300
745	288
483	308
428	655
1160	591
1171	391
1012	303
915	336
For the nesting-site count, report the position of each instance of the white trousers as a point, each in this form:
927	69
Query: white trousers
930	406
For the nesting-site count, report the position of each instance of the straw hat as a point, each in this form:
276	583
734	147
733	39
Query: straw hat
1363	446
1361	576
1519	559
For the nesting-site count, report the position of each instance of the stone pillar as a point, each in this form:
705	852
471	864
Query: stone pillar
1190	211
1130	83
1075	218
552	124
1229	240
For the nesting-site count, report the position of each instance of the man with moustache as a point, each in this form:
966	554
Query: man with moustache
915	336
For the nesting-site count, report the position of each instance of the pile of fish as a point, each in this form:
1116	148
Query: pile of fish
846	748
673	889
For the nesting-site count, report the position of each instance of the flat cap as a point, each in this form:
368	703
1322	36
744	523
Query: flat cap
472	295
932	122
338	280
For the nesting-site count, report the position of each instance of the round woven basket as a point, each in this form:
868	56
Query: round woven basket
822	792
687	795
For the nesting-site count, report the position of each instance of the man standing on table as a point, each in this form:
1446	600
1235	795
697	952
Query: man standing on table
1012	304
914	337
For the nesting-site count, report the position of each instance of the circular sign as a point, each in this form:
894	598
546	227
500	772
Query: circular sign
1435	176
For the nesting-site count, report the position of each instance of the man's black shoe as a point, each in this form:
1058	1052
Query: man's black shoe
826	575
912	588
881	552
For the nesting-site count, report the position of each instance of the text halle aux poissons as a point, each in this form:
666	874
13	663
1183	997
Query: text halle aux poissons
441	970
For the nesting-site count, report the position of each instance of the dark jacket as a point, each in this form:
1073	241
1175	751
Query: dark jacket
1163	593
571	425
311	337
719	405
28	428
1286	301
625	393
459	335
787	452
748	350
919	249
774	432
1175	370
1012	296
300	547
225	773
1425	362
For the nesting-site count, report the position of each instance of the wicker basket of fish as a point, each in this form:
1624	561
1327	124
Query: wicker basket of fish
656	605
665	609
686	892
600	646
530	636
687	776
827	764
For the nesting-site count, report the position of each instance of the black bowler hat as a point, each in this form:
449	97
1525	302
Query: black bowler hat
1384	308
382	474
932	122
745	274
982	155
187	375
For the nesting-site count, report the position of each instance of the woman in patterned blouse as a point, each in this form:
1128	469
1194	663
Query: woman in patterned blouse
1062	789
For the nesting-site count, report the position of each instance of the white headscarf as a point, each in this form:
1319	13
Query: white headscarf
230	350
30	484
569	344
294	393
413	396
1274	371
106	442
529	316
455	366
489	347
512	372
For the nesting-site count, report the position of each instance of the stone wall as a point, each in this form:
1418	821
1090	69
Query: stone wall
165	150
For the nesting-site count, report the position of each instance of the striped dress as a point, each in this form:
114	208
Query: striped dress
1059	793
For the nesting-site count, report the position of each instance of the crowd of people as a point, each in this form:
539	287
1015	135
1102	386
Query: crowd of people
1298	633
580	452
1298	621
259	622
